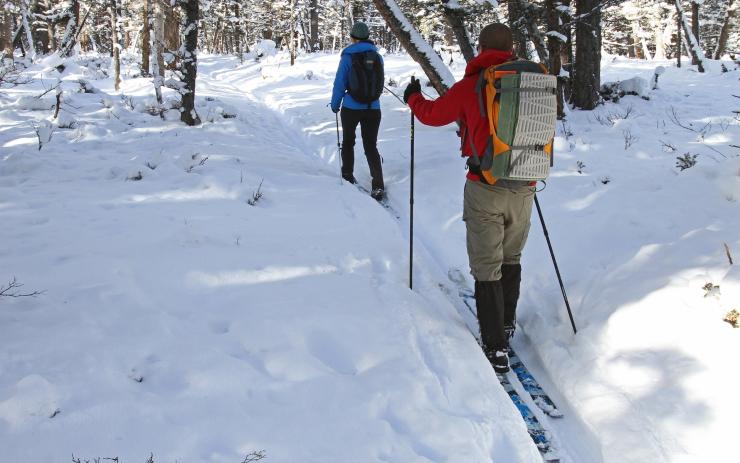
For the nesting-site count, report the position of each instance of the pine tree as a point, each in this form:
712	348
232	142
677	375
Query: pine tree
587	69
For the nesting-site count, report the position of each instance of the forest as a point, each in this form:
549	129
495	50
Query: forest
568	36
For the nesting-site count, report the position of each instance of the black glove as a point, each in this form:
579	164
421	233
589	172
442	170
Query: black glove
413	87
335	110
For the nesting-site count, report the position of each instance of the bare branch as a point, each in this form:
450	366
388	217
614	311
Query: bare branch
10	290
255	456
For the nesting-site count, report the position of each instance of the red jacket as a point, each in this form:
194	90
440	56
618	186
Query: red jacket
460	104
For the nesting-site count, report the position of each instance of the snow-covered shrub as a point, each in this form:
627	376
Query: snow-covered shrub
309	75
608	120
196	159
658	72
44	132
35	103
65	120
171	115
86	87
710	289
629	138
257	195
613	91
686	161
733	318
265	48
135	176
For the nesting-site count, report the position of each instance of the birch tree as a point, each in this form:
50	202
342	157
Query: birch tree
116	46
189	60
438	74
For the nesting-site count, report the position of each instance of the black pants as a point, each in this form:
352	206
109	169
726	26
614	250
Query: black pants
369	120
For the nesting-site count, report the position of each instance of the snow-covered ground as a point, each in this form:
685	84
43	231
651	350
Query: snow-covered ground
177	319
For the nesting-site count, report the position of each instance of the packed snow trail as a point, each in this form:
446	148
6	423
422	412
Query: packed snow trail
617	228
301	106
179	320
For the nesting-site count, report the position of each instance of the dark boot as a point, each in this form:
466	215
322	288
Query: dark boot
511	277
489	302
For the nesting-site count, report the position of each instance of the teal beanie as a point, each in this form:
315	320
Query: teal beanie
359	31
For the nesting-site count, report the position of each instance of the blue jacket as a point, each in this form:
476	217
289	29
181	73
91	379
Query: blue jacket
341	81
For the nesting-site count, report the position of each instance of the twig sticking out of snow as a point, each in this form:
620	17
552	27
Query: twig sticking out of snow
10	290
255	456
256	196
44	132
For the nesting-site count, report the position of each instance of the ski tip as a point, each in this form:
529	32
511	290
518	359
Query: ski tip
554	413
551	456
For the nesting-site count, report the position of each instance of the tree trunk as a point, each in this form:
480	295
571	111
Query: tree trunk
70	28
171	32
6	35
517	25
189	61
641	47
695	29
660	38
292	34
554	48
115	14
158	20
314	22
587	68
439	75
455	18
724	34
533	32
26	20
693	45
145	37
679	41
239	32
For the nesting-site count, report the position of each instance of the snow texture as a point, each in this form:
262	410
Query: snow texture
177	319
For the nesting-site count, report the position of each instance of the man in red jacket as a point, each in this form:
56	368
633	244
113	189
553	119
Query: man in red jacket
496	216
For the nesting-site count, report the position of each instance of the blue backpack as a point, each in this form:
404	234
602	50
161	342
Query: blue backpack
366	77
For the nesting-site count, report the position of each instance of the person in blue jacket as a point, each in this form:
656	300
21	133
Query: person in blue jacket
367	115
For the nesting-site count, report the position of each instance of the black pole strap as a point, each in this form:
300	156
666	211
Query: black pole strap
555	263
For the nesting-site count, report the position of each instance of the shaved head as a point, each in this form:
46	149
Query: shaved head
496	36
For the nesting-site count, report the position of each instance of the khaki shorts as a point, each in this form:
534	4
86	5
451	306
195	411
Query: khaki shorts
497	220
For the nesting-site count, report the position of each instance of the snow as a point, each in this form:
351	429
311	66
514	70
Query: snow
557	35
179	320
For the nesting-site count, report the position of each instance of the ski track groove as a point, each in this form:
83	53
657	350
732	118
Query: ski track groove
301	141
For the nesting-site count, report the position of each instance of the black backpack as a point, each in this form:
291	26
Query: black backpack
366	77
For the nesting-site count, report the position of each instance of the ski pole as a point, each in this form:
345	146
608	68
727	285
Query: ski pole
555	263
411	219
339	148
394	94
